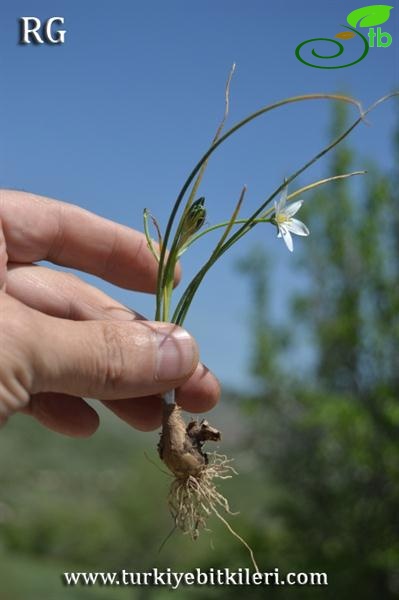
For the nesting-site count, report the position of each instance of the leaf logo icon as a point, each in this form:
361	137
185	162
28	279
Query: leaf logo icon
369	16
345	35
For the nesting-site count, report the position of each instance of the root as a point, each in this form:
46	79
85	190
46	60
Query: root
193	494
236	535
192	499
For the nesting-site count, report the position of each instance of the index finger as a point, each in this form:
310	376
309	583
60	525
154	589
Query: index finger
39	228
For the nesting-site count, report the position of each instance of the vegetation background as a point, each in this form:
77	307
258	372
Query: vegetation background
316	438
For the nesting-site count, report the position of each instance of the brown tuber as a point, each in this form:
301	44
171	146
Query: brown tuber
180	446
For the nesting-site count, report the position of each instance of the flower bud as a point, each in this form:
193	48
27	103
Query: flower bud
193	221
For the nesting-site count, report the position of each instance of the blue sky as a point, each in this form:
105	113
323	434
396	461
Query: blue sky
114	120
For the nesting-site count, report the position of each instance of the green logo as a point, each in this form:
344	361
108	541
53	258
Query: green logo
365	17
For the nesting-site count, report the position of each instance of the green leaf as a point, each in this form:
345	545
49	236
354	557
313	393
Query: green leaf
369	16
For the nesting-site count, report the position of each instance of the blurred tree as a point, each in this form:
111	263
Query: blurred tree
329	441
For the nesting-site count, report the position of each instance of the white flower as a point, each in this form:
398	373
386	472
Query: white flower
284	221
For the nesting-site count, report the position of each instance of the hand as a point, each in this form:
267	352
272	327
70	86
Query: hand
62	339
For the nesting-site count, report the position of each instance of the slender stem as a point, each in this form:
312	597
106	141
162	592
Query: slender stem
169	397
164	268
170	265
219	130
168	289
316	184
218	226
265	218
230	223
187	297
306	166
219	245
148	237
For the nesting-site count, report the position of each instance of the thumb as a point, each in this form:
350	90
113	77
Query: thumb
110	360
100	359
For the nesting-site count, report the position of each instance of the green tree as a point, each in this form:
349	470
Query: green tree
329	440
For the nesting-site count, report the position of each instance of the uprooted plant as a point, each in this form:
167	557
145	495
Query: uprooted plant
194	494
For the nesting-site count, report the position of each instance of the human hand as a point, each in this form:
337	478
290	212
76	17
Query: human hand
62	339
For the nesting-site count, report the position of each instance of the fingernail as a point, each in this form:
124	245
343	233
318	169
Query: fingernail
177	354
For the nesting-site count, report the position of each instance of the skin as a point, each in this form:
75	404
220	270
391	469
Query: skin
62	339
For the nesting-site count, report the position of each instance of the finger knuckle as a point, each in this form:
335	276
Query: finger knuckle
15	379
114	364
16	373
13	395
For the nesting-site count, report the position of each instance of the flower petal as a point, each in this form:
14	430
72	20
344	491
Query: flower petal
288	239
297	227
293	208
282	200
281	229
